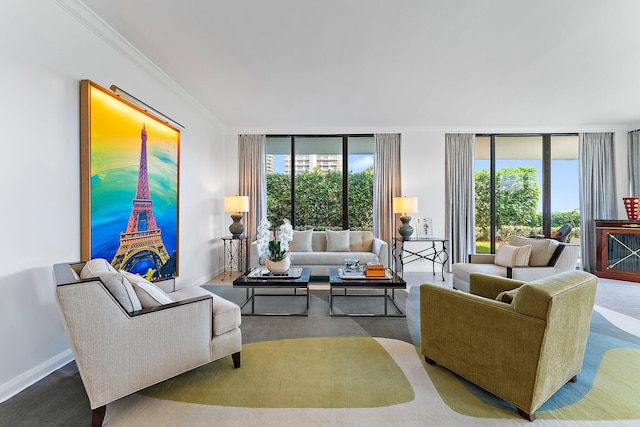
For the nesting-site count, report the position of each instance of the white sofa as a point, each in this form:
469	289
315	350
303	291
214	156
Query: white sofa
548	257
312	249
124	341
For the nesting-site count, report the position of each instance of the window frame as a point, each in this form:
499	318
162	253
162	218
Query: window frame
546	179
345	169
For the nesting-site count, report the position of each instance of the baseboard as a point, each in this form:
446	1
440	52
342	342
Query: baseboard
32	376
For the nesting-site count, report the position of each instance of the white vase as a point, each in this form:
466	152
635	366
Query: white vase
278	267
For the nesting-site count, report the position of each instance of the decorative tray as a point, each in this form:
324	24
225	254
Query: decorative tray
362	276
292	273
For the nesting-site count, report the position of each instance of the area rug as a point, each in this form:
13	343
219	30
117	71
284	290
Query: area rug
272	388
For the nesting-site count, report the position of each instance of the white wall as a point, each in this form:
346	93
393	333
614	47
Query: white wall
47	48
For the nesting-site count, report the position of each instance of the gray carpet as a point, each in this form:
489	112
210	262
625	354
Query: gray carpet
60	399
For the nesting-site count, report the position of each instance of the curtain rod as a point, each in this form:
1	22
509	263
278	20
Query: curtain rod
132	99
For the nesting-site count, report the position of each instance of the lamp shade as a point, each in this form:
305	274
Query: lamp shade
236	203
405	204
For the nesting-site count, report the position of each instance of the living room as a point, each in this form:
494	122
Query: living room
587	70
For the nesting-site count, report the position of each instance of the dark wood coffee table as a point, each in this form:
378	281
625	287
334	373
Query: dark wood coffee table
252	281
392	282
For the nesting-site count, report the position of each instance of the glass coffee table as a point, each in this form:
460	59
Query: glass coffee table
295	279
391	281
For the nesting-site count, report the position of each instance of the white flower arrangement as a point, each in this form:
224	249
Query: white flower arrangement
278	248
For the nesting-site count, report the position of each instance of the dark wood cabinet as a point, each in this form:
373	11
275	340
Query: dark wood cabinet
618	249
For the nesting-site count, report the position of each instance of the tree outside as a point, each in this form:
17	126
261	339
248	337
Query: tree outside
319	199
517	200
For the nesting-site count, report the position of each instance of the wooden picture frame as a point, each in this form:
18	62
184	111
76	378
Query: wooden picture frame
129	185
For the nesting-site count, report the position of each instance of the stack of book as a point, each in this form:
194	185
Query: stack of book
375	269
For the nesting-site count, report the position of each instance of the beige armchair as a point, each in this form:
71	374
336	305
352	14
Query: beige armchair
547	257
522	352
121	347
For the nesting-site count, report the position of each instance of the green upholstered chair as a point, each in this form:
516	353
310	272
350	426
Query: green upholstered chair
523	351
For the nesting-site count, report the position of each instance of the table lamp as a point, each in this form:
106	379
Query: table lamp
236	204
405	205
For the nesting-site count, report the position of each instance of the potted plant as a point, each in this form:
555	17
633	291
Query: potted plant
274	245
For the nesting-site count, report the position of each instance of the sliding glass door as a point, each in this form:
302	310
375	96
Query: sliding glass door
525	185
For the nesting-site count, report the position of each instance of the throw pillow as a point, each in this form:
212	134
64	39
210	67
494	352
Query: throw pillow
513	256
96	266
121	290
541	249
149	294
507	296
301	241
338	241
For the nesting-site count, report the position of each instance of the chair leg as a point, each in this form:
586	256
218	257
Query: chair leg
574	379
527	416
429	361
236	360
97	416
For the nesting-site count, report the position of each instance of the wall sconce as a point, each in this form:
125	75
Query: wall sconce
405	205
236	204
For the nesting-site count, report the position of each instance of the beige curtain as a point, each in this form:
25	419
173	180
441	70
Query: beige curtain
633	162
459	196
253	180
597	190
386	185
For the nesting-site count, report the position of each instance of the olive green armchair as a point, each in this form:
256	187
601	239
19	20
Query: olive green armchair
523	351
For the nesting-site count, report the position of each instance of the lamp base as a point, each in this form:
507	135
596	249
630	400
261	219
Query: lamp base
405	229
237	228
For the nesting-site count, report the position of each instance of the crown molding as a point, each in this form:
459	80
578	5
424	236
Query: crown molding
87	17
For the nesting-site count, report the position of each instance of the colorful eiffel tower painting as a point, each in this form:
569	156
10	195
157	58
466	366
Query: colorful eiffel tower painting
142	239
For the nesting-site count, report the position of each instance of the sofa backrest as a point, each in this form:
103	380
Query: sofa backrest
359	241
542	250
563	295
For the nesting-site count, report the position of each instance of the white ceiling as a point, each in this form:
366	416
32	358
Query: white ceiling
282	64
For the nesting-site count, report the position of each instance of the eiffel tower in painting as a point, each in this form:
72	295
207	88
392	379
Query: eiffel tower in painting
143	238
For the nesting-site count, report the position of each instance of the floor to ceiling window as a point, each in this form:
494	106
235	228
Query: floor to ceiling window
321	182
524	185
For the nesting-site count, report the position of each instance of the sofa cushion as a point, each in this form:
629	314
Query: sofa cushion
462	271
513	256
361	241
94	267
301	241
121	290
541	249
333	259
338	241
149	294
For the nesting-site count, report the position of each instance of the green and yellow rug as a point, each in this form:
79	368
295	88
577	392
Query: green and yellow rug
366	381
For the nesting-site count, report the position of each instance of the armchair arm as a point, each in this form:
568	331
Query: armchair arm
528	273
482	258
490	286
167	285
381	249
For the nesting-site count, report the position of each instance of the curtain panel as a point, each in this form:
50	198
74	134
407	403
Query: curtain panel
459	196
253	179
597	190
386	186
633	159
